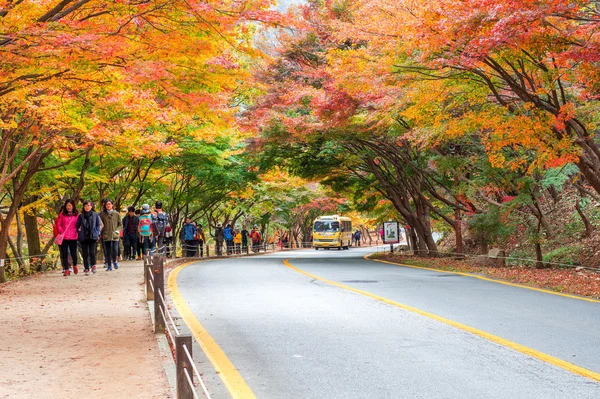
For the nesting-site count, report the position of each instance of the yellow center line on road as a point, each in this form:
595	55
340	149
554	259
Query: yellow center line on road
494	338
492	280
235	383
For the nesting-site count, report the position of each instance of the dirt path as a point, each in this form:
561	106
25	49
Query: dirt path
79	337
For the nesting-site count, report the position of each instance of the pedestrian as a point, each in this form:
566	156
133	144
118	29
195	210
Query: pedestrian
88	233
130	234
200	239
67	236
140	242
160	220
110	234
219	238
228	233
146	230
237	241
357	235
188	235
244	240
169	240
255	237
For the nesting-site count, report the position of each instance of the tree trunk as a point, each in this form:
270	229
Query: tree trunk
539	264
32	232
458	234
586	221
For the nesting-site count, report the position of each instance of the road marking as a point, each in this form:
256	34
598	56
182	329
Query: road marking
232	379
581	298
494	338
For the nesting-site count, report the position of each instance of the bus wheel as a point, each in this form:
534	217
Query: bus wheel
316	248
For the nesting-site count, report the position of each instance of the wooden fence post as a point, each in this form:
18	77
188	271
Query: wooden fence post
147	277
159	288
184	391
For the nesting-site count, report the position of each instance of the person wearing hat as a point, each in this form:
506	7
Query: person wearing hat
146	230
187	238
219	238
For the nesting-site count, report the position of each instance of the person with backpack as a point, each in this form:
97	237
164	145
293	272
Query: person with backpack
256	238
219	238
130	233
244	240
161	220
146	230
200	239
66	238
140	242
169	240
228	234
357	235
88	233
110	234
187	237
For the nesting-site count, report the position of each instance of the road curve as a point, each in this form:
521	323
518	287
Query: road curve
292	336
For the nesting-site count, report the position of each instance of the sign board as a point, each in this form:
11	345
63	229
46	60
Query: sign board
391	232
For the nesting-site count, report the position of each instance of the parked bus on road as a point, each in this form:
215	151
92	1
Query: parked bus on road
332	232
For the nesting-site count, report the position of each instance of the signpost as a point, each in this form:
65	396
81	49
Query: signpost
391	234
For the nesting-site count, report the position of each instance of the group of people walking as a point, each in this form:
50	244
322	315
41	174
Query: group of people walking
141	231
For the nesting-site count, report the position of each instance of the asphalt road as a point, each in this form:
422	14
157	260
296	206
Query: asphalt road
293	336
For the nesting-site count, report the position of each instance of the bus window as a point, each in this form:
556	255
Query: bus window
327	227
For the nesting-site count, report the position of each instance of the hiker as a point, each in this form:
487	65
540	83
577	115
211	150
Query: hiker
88	231
140	242
169	240
161	220
200	239
111	234
228	234
244	240
188	235
255	237
237	241
146	230
219	238
67	236
357	235
130	234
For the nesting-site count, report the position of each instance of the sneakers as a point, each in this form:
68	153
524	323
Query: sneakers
109	269
116	265
139	258
86	272
75	269
94	269
66	273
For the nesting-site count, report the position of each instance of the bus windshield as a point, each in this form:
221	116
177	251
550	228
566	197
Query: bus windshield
327	227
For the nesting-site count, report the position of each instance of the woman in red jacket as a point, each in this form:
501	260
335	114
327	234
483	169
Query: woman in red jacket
67	235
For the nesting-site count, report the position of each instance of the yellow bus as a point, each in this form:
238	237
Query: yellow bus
332	232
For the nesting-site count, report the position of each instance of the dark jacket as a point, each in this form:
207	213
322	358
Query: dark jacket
188	232
130	219
88	230
219	234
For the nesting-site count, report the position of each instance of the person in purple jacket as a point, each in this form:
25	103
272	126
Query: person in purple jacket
67	236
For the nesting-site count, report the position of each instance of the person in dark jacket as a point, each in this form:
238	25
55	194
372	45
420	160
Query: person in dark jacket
88	231
188	237
245	236
130	228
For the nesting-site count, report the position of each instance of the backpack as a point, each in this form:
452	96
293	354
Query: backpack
161	220
145	226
